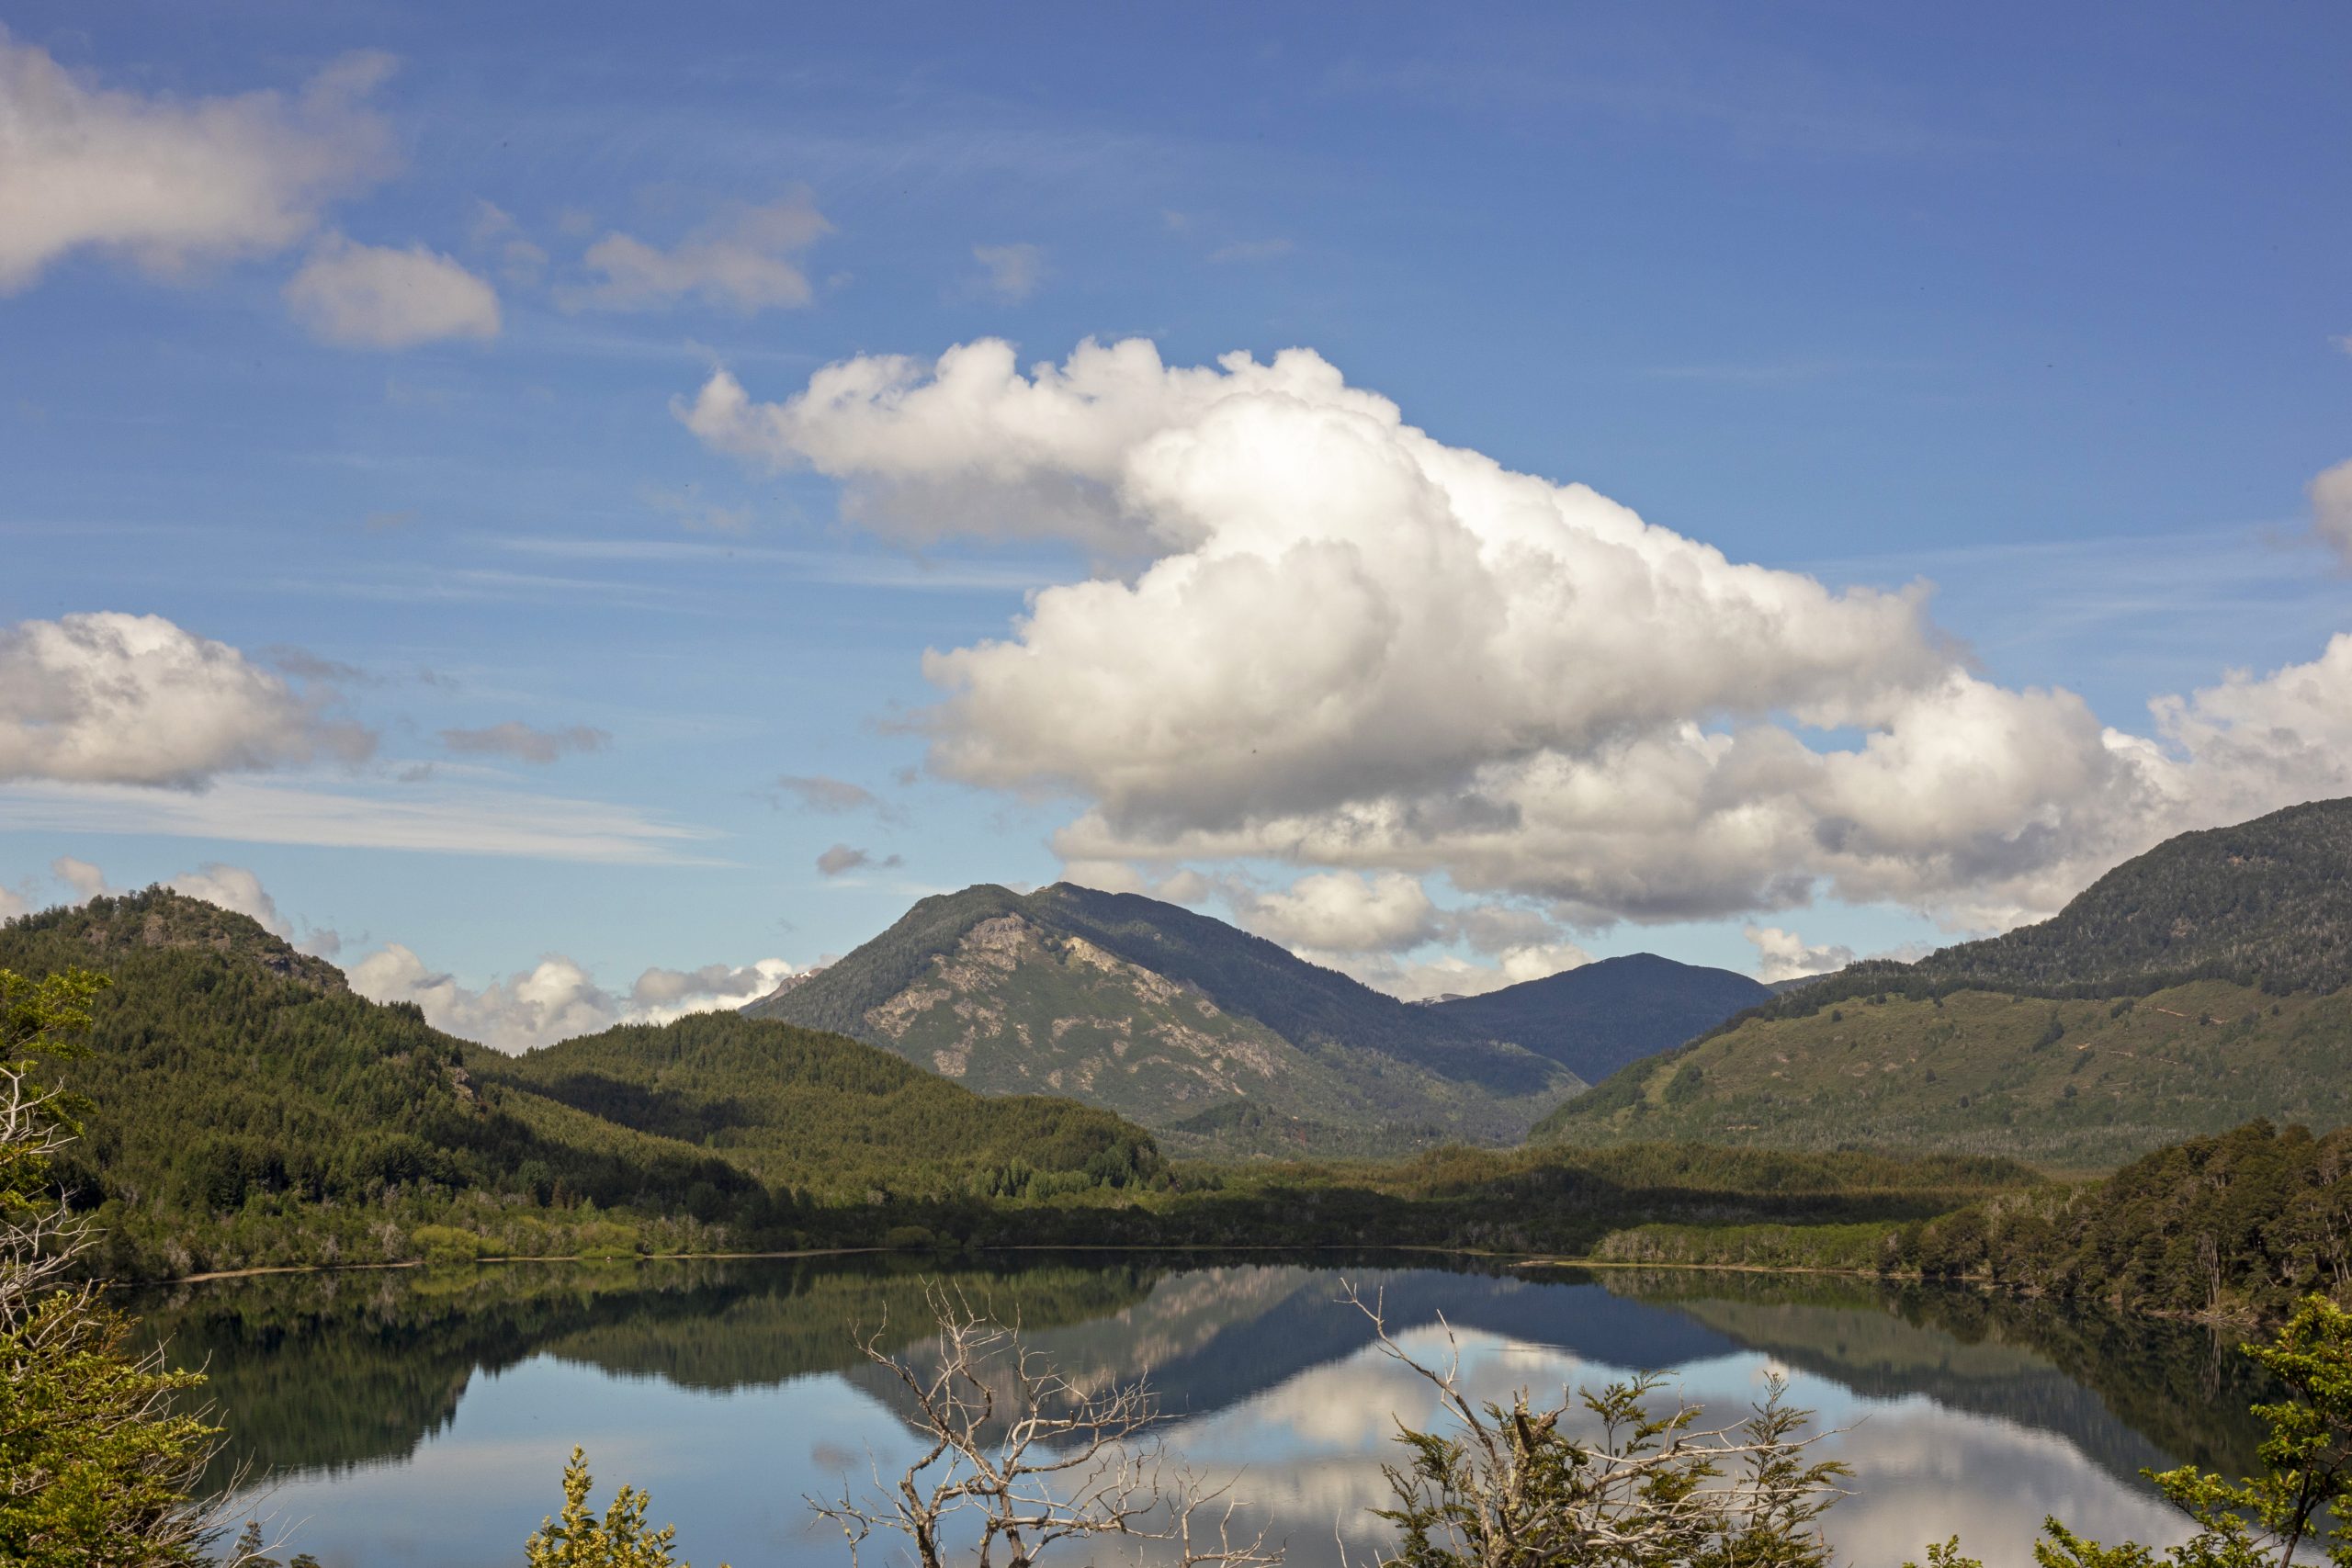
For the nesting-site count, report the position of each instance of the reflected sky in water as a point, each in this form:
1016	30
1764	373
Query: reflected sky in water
730	1395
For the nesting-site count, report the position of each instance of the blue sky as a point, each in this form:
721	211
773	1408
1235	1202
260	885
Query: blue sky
2043	308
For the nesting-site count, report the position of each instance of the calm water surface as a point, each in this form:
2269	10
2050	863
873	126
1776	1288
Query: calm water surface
423	1417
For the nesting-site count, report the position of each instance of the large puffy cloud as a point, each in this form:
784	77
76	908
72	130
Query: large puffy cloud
743	260
1338	642
170	183
376	297
556	998
111	698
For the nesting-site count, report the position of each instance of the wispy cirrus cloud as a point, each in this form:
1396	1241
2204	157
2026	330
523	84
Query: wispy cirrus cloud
431	817
524	742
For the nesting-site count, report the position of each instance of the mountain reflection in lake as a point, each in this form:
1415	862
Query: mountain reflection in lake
423	1417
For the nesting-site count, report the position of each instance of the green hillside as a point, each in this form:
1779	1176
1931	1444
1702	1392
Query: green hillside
2265	904
2076	1084
1597	1018
2195	987
248	1107
1214	1039
825	1114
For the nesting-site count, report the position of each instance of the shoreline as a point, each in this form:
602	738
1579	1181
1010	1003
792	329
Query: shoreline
1514	1262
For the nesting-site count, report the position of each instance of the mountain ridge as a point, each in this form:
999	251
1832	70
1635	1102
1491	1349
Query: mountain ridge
1163	1014
1598	1017
2199	985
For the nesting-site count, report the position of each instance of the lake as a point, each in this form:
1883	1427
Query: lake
424	1416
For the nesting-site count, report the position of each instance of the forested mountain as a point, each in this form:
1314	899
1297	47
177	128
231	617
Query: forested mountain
1596	1019
244	1098
1214	1038
2192	989
2265	904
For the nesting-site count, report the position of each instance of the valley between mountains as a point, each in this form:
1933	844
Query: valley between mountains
1068	1066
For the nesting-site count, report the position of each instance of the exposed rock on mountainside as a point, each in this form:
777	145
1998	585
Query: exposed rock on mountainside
1173	1019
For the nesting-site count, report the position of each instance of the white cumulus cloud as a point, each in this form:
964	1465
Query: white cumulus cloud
1783	954
1322	637
556	998
661	994
742	261
168	182
233	887
357	296
1342	911
102	697
88	881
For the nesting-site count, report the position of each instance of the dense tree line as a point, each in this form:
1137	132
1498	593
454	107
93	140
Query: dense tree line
825	1114
251	1110
2238	1225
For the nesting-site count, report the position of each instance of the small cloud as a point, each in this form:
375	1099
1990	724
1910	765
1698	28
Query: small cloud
2331	496
1252	250
823	793
1013	271
840	858
86	880
520	262
385	522
355	295
741	260
1783	955
301	663
523	742
695	514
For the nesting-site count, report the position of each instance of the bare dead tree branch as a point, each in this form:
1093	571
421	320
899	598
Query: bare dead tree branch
1020	1459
